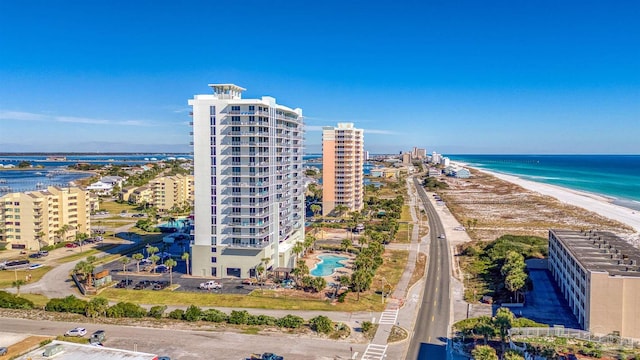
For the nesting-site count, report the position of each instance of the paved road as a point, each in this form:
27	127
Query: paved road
191	344
429	339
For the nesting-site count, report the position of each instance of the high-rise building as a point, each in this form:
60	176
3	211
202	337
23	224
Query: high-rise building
33	219
342	167
419	154
406	158
248	174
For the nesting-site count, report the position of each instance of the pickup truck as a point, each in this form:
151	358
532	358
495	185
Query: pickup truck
210	285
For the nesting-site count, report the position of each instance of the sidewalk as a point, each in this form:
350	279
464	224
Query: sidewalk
404	303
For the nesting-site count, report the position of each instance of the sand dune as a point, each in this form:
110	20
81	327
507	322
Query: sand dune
598	204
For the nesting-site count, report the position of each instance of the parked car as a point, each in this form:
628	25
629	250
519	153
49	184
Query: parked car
79	331
442	236
35	256
3	351
71	245
97	337
35	266
162	269
210	285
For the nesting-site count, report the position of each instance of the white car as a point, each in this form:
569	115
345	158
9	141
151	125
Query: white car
210	285
76	332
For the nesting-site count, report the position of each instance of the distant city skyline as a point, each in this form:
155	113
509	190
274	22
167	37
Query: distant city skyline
457	78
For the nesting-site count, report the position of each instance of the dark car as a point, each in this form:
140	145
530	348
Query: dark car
3	351
35	256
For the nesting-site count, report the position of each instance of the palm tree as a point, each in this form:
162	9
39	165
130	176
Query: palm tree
137	257
152	250
315	208
80	238
16	284
484	352
297	249
185	257
154	259
266	261
309	241
345	244
503	322
39	237
170	263
124	261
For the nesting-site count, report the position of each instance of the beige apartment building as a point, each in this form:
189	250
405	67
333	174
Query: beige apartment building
342	167
164	193
598	275
30	220
172	191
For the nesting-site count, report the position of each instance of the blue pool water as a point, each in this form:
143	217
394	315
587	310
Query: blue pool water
177	224
327	265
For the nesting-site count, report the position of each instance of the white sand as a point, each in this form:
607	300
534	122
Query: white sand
598	204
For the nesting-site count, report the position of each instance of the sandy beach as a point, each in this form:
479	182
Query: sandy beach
598	204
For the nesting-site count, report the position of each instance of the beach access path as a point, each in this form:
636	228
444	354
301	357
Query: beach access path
592	202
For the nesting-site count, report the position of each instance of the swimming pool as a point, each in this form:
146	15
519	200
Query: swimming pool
327	265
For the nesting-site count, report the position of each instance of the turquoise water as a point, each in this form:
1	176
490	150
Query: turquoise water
613	176
178	224
327	265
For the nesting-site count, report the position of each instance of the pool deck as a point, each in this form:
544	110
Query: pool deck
313	259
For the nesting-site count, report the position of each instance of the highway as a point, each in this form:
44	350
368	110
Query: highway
429	340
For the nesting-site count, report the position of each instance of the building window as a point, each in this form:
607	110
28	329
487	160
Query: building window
212	110
214	259
235	108
252	108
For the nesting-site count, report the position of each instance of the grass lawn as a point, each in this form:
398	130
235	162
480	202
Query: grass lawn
405	215
391	269
25	345
7	277
116	208
38	300
403	234
257	299
86	253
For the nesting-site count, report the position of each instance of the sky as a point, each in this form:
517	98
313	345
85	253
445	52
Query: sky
456	77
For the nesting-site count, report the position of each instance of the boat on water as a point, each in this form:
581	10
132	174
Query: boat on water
39	173
39	185
3	181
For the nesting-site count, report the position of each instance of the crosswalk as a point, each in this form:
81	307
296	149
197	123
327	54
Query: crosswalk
374	352
388	317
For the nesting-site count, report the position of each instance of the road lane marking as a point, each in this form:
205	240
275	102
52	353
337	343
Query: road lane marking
433	317
435	302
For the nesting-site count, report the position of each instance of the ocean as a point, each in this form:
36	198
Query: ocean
614	176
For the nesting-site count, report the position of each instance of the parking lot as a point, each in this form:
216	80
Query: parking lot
147	279
545	304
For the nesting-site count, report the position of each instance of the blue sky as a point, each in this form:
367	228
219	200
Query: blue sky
450	76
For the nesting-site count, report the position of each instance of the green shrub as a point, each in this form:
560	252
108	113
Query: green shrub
239	317
261	320
10	301
126	310
214	315
193	313
342	297
290	321
157	311
177	314
321	324
70	304
366	326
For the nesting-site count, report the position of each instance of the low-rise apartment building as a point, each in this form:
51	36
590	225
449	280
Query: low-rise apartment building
30	220
172	191
164	192
598	275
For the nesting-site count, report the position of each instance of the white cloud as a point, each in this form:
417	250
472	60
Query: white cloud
26	116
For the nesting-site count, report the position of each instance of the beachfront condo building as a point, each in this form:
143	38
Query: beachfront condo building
342	168
249	194
598	274
30	220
